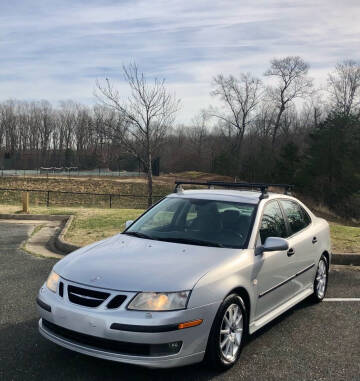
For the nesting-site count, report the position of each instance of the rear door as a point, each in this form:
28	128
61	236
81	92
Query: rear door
302	244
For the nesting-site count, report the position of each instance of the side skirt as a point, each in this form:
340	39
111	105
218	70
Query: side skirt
257	324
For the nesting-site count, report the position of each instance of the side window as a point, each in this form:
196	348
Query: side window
307	218
297	217
273	223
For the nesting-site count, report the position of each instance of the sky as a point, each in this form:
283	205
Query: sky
56	50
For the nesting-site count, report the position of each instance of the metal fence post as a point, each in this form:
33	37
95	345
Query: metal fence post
48	199
110	200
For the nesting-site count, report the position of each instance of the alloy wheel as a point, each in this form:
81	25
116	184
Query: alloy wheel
231	331
321	279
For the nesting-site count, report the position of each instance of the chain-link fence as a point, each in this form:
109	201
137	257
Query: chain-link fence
65	172
76	199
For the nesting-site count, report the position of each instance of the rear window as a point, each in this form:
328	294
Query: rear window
296	216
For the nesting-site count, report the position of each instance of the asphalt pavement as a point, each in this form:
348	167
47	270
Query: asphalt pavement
310	342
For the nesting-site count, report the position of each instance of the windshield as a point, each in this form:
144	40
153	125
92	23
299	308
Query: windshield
196	222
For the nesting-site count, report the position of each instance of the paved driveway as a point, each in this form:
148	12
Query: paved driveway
310	342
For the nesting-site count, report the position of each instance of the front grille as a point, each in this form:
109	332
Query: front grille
61	289
116	302
86	297
112	345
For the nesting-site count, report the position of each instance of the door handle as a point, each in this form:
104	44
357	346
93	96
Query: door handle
290	252
314	240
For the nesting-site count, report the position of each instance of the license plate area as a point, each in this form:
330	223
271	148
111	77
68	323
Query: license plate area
79	322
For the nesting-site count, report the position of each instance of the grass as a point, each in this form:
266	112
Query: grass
93	224
345	239
90	224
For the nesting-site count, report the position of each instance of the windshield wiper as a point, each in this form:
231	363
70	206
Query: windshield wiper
191	241
138	235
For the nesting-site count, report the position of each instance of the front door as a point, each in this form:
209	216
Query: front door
274	267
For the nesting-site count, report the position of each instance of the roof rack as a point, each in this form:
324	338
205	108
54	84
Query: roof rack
263	187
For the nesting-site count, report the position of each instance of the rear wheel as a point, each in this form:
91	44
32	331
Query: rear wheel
321	280
227	333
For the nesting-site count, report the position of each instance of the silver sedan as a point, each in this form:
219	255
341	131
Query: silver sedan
189	279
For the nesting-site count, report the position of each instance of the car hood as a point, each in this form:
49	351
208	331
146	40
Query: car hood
134	264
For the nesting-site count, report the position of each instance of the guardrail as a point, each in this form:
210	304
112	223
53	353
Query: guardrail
113	199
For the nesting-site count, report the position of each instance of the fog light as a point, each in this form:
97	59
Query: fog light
175	346
165	349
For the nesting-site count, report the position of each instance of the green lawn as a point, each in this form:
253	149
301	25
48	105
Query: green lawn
345	239
92	224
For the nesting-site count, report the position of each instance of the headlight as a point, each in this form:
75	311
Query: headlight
159	301
52	281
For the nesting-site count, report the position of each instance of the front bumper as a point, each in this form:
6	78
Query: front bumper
96	323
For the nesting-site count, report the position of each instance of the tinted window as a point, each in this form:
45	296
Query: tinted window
297	217
273	223
307	218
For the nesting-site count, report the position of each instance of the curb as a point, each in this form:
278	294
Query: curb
349	259
36	217
59	240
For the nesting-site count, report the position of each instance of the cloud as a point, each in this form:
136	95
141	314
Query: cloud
56	49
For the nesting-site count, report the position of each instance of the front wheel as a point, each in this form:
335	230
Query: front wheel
227	333
321	280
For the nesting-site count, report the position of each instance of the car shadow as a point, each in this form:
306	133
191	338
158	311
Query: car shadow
25	354
306	303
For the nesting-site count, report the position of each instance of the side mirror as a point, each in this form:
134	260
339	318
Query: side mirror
128	223
272	244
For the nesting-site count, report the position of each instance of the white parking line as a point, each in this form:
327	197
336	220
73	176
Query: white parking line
341	299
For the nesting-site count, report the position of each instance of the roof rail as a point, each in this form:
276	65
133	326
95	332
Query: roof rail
263	187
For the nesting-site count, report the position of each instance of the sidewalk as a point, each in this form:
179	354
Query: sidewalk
42	236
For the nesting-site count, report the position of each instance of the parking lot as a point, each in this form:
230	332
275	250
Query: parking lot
309	342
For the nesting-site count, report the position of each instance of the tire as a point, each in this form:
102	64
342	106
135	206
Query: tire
226	341
321	280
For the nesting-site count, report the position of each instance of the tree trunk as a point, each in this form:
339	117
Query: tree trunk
237	151
277	124
150	180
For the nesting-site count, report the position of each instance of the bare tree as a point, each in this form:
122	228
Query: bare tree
314	109
68	124
9	125
240	97
145	116
344	86
45	127
197	135
292	82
